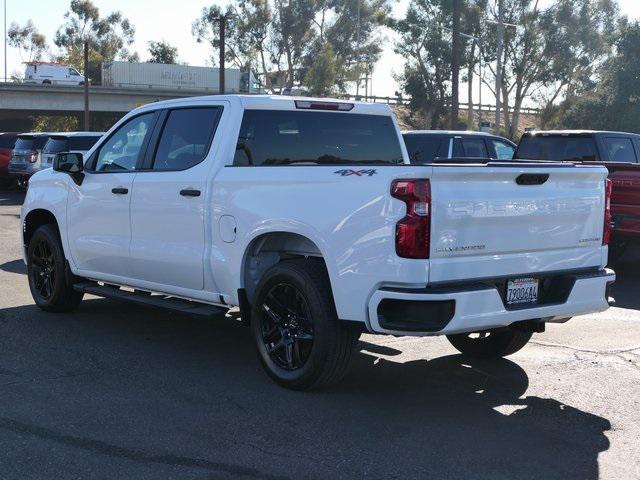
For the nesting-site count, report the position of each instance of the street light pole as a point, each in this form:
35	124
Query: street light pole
499	66
358	49
5	40
86	86
455	66
223	24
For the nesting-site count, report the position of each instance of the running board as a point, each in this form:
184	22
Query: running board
152	300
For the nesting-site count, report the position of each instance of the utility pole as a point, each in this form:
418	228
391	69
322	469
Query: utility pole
86	86
358	49
480	86
223	24
5	40
499	66
455	65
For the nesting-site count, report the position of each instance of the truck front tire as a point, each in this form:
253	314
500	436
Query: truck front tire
492	344
299	339
49	283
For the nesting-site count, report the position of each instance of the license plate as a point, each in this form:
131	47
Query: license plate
522	290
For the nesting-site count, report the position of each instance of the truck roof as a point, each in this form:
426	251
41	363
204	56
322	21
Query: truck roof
77	134
533	133
447	132
272	102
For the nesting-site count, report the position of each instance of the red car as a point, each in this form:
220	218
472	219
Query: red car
618	151
7	142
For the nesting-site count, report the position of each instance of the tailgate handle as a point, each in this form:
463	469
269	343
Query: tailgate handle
532	178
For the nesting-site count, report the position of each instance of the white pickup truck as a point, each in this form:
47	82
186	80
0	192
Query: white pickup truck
308	216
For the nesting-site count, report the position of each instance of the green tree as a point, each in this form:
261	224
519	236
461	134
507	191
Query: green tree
426	45
554	50
162	52
614	103
30	43
109	37
281	39
321	78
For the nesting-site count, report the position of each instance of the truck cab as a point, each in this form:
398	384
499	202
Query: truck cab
619	152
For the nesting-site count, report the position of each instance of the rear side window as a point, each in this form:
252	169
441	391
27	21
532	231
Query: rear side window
474	147
620	149
270	137
558	148
24	143
504	151
55	145
185	138
425	148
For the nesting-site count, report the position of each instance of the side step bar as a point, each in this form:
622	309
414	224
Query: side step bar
153	300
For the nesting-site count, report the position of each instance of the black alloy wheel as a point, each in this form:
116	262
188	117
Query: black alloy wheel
50	283
299	339
287	329
42	270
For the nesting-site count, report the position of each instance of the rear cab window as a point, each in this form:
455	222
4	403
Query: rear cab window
578	148
290	137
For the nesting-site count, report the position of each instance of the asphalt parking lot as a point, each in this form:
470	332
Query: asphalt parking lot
118	391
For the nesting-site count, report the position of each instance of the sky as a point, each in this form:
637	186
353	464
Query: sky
171	21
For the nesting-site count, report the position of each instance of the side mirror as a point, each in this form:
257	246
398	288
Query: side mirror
71	163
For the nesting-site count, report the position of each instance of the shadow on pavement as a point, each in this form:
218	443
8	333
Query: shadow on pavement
141	386
627	269
14	266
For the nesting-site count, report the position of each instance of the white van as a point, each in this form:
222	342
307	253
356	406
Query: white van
52	74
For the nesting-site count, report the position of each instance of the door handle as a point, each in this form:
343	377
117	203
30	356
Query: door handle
120	191
190	193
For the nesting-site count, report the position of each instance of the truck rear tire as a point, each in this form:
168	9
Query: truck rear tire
49	283
299	339
491	344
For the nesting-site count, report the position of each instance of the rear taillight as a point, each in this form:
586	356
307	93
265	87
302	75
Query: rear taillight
32	156
412	232
606	233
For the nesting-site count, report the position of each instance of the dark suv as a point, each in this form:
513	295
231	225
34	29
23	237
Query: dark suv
618	151
424	146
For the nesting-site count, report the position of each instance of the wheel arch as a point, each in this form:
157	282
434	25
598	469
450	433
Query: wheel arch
268	249
35	219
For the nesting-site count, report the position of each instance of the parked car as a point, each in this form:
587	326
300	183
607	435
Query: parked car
78	142
7	142
308	215
617	151
27	156
424	146
49	73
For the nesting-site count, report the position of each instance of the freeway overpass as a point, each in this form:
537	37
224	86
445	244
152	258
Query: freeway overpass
19	103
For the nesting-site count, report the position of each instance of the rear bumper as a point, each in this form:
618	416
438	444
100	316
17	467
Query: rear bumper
480	306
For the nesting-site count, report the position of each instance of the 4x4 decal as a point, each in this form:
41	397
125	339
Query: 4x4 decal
346	172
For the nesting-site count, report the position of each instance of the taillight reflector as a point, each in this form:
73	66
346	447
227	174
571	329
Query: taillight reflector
412	232
606	233
316	105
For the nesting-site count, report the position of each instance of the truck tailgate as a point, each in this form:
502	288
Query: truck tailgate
497	220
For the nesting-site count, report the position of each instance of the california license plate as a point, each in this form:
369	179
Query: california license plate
522	290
